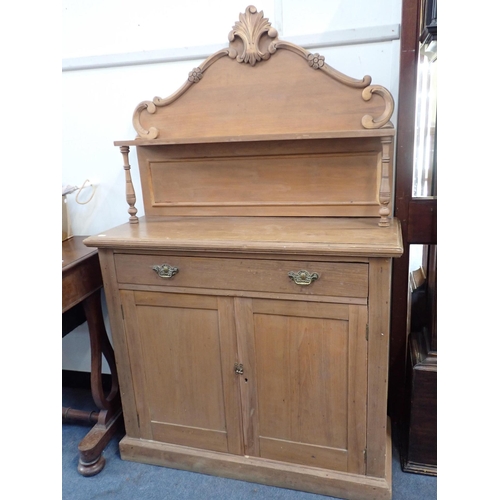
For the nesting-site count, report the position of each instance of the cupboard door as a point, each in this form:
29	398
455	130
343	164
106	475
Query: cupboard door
305	381
182	351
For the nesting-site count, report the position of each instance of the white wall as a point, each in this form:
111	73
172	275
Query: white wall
102	81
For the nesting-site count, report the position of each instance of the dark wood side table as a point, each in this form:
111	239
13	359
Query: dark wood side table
81	284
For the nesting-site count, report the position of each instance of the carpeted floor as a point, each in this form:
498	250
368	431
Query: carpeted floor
133	481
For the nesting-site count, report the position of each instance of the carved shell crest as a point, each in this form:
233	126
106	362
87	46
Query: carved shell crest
249	29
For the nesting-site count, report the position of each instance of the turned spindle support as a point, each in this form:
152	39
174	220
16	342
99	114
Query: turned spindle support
385	185
129	186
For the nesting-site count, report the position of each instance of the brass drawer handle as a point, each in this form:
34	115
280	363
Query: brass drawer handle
165	271
303	277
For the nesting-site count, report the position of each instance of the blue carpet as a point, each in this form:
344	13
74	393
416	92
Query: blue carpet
125	480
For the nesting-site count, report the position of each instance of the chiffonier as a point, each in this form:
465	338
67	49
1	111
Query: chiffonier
249	307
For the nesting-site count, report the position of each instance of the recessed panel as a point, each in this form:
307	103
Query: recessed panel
183	368
323	179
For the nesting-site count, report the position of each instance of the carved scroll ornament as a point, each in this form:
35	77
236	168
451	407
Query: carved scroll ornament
253	40
368	121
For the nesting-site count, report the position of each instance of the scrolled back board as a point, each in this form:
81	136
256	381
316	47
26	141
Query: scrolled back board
273	96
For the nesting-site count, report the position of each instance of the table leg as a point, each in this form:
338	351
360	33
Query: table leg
91	461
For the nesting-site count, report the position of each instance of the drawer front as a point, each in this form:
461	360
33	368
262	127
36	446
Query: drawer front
334	279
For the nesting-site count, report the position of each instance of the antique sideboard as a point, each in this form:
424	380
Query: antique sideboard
249	307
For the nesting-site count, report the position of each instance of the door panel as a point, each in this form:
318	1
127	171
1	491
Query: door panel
182	342
307	359
302	379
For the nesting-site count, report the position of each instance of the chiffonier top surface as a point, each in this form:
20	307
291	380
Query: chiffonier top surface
286	235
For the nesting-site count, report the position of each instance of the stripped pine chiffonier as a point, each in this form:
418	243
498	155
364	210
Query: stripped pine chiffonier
249	307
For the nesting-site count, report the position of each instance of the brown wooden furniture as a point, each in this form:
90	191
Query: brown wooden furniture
249	307
82	284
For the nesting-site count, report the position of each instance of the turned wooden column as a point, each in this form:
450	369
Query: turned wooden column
129	186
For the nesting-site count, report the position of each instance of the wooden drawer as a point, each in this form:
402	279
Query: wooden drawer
334	279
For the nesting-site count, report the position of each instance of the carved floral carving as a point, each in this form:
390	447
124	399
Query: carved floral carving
250	28
195	76
315	61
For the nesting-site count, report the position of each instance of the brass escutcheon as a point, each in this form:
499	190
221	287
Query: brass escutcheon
165	271
303	277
